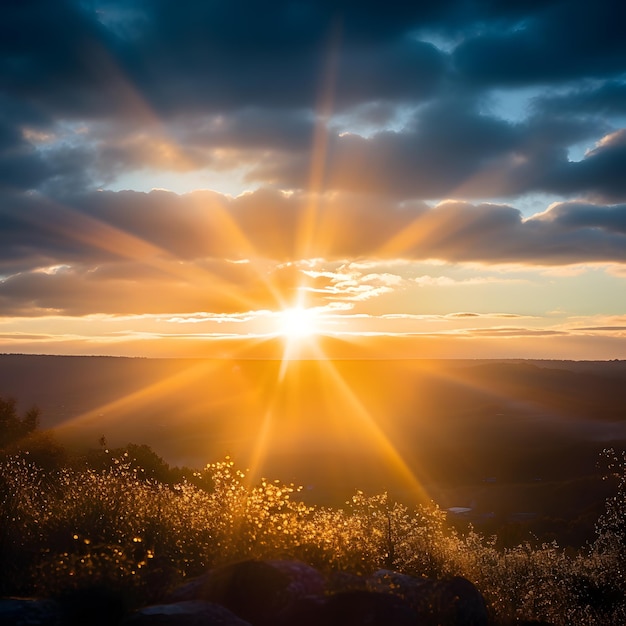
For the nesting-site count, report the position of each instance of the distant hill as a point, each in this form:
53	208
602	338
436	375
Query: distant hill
344	423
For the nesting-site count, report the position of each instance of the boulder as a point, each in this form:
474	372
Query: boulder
257	591
30	612
340	581
268	593
349	608
447	602
96	605
190	613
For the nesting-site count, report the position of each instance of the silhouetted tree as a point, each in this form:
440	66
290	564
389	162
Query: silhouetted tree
12	426
138	456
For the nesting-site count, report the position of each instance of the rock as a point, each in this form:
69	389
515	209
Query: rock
350	608
449	602
341	581
30	612
268	593
192	590
257	591
96	605
190	613
303	579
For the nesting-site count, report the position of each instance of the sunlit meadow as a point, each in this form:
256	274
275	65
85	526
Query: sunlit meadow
138	535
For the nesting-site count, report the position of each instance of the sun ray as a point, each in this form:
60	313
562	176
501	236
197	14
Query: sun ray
100	235
286	415
262	444
125	405
230	230
362	419
317	226
85	229
174	380
308	242
410	238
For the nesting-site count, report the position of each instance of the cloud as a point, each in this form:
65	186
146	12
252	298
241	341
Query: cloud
149	286
161	228
349	284
171	253
606	99
611	329
79	58
237	86
451	148
556	42
361	144
468	315
578	215
446	281
599	172
20	165
511	332
447	145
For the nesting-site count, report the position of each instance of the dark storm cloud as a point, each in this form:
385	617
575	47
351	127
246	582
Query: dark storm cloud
88	59
162	86
452	149
56	57
20	165
599	175
253	128
444	147
607	99
565	41
85	59
573	216
208	71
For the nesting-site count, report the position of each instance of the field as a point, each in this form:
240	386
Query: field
142	473
518	442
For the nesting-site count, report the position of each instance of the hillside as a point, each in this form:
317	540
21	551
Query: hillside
505	438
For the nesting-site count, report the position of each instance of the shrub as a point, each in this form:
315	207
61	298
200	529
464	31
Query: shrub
114	528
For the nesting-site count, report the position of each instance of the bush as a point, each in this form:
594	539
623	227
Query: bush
115	528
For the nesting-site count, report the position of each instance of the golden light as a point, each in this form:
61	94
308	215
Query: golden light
298	323
301	402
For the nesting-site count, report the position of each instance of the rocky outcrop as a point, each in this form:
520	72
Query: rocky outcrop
188	613
30	612
453	601
267	593
350	608
257	591
274	593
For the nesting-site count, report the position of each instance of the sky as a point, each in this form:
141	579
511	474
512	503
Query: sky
200	178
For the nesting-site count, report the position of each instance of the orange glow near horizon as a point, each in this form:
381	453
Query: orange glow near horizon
305	398
346	427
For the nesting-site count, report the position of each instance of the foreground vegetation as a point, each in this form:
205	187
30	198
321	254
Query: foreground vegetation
117	519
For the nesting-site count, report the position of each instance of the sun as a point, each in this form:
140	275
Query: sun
297	323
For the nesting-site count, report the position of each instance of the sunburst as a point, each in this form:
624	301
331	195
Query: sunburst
298	322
